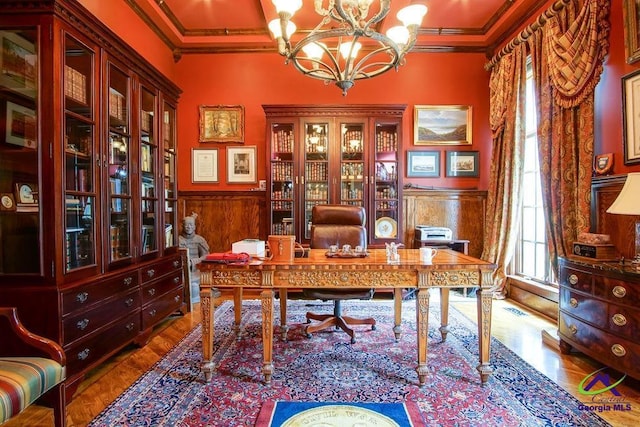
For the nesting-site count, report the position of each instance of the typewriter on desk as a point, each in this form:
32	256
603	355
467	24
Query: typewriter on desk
433	234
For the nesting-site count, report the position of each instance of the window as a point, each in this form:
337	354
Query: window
531	260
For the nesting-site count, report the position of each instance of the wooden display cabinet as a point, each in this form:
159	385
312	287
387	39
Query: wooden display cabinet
88	183
335	155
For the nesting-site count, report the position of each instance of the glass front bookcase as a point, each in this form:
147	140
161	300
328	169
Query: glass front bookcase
148	175
169	175
20	179
283	177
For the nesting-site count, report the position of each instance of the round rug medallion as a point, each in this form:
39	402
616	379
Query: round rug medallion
339	415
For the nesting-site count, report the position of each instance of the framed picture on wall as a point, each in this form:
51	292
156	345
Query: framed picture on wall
631	124
442	125
423	164
241	165
204	165
463	163
18	64
631	30
221	123
20	126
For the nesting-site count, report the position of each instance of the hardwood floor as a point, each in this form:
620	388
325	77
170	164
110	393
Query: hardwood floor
514	326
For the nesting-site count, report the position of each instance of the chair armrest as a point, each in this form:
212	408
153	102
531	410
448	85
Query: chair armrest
44	345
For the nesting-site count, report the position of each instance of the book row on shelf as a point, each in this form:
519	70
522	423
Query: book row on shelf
282	171
282	141
77	179
316	171
117	107
352	141
386	193
281	205
386	141
75	85
352	170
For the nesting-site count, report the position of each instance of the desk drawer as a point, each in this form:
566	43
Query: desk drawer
584	307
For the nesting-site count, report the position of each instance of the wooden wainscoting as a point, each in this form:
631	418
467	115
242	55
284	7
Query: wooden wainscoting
621	228
225	217
463	211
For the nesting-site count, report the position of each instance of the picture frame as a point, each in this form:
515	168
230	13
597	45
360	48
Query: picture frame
26	193
442	125
241	165
423	164
631	16
20	126
603	164
204	165
462	163
221	123
630	114
7	202
18	64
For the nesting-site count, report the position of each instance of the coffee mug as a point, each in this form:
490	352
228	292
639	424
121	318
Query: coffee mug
427	254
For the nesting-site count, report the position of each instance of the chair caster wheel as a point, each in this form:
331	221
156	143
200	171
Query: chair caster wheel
353	340
373	327
307	335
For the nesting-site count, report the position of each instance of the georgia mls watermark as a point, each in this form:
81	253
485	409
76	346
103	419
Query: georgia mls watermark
600	387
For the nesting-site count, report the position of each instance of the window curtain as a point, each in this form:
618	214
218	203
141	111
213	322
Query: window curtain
567	50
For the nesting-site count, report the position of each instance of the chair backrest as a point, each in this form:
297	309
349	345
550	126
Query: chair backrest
338	225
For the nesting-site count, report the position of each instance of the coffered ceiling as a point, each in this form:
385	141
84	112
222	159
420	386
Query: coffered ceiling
219	26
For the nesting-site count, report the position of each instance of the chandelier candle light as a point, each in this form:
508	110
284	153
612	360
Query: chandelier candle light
330	51
628	203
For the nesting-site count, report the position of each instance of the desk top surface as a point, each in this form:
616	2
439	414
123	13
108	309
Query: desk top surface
445	259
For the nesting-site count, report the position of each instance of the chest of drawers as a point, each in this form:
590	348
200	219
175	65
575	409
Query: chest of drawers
600	313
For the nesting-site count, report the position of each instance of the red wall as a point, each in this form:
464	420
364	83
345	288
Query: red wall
256	79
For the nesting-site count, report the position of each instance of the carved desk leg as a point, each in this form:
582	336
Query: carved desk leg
484	301
237	311
284	328
207	293
397	310
444	310
267	334
422	312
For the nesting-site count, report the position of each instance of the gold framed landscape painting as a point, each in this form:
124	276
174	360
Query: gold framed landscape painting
632	30
442	125
221	123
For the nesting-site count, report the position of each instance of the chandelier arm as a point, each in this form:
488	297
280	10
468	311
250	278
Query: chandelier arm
384	10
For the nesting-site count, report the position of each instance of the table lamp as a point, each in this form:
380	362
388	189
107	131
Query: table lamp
628	203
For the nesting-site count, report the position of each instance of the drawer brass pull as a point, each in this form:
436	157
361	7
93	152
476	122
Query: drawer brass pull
573	329
176	264
82	324
619	319
128	280
130	326
129	302
618	350
151	272
82	297
573	279
176	298
176	280
152	313
83	354
573	302
619	291
152	291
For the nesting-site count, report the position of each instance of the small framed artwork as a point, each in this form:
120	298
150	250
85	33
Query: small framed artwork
602	164
18	63
442	125
241	164
26	194
7	202
462	163
20	126
631	112
222	123
204	165
631	14
423	164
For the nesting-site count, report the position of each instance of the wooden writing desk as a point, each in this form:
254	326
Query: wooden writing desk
449	269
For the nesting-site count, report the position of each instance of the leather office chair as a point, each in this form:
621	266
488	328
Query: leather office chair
337	225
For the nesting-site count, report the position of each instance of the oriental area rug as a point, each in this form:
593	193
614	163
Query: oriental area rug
327	368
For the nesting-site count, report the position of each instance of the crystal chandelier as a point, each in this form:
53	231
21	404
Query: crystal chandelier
330	52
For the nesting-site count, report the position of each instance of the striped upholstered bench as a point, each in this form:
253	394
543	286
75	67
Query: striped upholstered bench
31	367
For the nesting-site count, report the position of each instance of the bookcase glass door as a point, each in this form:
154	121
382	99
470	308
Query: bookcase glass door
20	224
386	184
119	194
169	177
79	154
148	153
283	176
352	164
316	170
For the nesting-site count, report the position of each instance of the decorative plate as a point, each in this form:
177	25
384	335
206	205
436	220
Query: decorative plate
386	227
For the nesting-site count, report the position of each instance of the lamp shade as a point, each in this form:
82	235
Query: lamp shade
628	201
